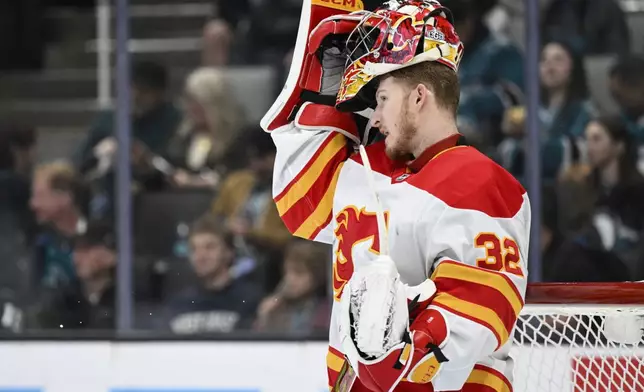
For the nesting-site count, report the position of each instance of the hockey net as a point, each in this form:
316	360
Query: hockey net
580	338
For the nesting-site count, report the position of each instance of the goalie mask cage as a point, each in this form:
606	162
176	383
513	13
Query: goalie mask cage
580	337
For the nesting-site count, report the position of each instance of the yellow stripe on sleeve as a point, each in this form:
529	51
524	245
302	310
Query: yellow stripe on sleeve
488	379
334	362
311	174
322	210
453	270
474	312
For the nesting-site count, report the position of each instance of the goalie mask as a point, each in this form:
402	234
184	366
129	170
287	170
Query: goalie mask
399	34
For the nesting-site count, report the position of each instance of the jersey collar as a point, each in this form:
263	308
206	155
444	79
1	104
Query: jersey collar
435	149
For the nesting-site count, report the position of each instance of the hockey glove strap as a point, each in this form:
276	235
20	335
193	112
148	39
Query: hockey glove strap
417	359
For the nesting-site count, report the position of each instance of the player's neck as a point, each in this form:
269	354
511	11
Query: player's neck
432	132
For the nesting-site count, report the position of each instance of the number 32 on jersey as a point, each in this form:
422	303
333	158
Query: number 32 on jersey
501	254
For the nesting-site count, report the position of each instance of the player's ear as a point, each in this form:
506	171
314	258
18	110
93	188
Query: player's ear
420	95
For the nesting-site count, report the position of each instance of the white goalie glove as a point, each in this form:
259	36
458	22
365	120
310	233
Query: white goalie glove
380	344
375	307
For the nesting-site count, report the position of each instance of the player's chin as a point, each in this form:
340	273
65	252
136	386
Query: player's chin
395	153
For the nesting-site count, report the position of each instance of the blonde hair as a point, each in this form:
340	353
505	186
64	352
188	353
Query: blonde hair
209	87
62	177
439	78
60	174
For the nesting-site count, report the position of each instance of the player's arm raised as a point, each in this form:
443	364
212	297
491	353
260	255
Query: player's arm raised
312	137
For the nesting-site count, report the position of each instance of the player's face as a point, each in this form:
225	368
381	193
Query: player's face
393	118
209	254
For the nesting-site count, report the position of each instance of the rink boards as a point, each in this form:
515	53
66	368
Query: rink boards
243	367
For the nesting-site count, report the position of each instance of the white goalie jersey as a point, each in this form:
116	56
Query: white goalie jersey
452	215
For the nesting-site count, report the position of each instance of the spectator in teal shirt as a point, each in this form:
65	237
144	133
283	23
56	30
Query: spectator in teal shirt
154	117
564	112
626	82
58	200
490	73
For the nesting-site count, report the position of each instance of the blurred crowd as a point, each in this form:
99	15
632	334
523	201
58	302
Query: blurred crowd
211	253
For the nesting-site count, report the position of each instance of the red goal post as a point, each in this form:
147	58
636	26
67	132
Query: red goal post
580	337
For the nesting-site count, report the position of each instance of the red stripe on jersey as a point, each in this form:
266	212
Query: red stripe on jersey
303	208
447	266
494	372
486	379
321	226
334	361
295	180
336	352
469	387
486	297
479	294
469	317
464	178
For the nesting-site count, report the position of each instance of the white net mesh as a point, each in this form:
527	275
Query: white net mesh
579	349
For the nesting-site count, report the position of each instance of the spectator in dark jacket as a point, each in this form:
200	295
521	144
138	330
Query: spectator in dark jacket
154	119
58	199
219	302
626	82
606	206
89	303
17	151
299	304
17	223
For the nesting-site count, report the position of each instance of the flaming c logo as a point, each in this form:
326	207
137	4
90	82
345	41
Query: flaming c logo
353	81
355	226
